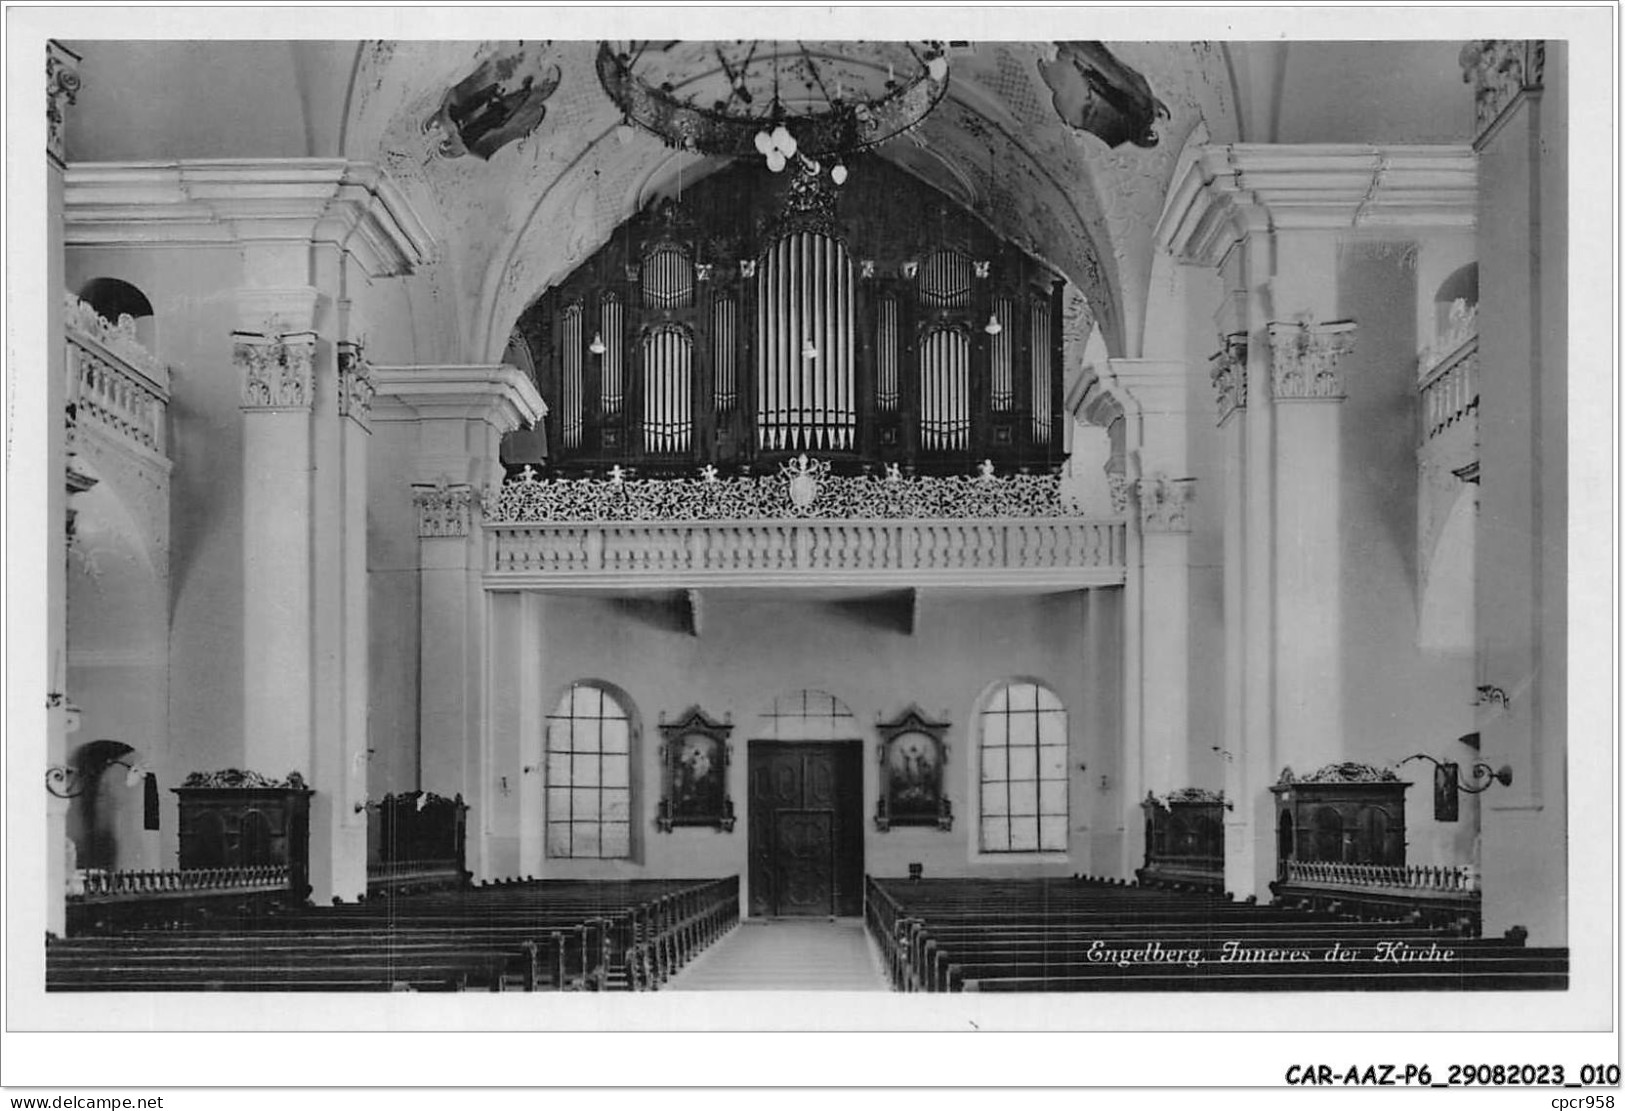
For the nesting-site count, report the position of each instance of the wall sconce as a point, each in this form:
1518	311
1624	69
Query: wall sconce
1229	757
1105	783
69	783
527	769
993	327
1492	695
502	784
597	346
1481	771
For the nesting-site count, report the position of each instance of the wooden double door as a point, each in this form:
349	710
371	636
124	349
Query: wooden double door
806	828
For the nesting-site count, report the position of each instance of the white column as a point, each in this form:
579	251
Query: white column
61	88
1522	519
458	415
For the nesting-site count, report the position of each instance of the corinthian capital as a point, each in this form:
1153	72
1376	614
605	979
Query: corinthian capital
355	383
1228	371
1165	503
444	509
61	89
278	371
1304	358
1499	70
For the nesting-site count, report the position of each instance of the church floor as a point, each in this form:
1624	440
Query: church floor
787	954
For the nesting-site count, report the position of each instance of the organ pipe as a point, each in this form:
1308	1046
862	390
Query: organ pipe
886	357
668	377
667	278
570	407
945	391
806	403
725	348
1004	387
612	319
1041	370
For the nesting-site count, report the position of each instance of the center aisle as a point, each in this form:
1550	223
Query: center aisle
787	954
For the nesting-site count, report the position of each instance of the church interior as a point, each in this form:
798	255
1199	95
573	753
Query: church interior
626	498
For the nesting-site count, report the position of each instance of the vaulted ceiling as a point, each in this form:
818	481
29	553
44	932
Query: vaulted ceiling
508	226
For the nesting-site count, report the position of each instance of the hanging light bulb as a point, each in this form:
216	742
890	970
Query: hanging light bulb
623	132
937	67
993	327
775	161
838	174
783	141
808	351
597	345
764	143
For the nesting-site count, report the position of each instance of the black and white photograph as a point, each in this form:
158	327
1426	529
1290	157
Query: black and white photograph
827	531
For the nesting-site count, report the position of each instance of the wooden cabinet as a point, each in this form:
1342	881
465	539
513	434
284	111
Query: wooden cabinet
1342	814
1184	840
238	819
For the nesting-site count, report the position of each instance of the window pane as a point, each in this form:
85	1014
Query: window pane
584	804
617	805
995	800
558	804
1053	837
584	736
1023	834
995	834
586	838
1001	700
1047	699
611	710
615	771
1052	763
586	771
1024	696
995	765
589	702
615	735
1052	798
994	729
558	769
1024	798
1052	729
1023	763
617	839
558	839
558	734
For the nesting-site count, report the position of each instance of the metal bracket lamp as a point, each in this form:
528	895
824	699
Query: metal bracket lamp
69	783
1480	771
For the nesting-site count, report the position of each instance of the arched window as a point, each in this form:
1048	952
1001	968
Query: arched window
1023	782
589	775
808	715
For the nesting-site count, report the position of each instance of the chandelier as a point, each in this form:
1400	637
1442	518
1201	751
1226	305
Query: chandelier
792	104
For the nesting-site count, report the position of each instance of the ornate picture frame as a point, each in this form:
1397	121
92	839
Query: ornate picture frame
694	757
913	753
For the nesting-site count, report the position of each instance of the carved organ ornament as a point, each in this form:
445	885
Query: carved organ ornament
759	317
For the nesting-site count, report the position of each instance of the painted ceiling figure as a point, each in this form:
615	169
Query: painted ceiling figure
503	100
1095	92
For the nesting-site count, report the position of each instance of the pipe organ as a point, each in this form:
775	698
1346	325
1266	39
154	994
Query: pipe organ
759	316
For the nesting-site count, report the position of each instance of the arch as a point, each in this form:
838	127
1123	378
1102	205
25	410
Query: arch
807	715
1022	789
1461	285
113	298
590	782
1285	842
1326	825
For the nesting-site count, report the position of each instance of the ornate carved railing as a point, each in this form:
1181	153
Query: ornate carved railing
1449	388
98	884
114	382
1421	878
1088	551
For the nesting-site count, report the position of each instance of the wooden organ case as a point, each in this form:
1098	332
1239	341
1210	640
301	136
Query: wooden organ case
761	316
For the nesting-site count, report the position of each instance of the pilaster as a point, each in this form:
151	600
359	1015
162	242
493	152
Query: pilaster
455	417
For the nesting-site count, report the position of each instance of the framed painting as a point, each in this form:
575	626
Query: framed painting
694	755
913	751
